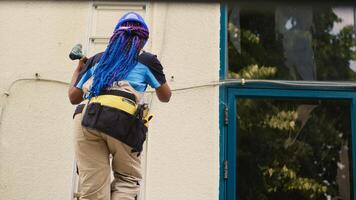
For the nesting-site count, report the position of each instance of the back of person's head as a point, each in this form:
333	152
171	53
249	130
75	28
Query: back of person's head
121	55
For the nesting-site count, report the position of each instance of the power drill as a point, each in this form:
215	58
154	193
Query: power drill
76	53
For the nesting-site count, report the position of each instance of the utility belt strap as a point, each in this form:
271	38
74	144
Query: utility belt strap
118	102
78	109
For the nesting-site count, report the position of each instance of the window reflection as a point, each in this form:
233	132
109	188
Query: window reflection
292	43
293	149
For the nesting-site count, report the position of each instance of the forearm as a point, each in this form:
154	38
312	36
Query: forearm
75	94
74	77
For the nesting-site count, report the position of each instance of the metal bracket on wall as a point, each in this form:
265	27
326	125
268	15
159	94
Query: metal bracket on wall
99	40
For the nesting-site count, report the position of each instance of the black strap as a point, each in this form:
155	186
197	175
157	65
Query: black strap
78	109
119	93
88	64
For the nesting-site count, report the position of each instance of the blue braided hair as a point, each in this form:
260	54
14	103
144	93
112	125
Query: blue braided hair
120	56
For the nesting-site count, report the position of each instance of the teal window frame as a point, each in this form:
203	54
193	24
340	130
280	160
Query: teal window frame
222	99
228	95
250	92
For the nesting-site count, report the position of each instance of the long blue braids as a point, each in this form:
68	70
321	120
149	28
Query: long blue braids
120	56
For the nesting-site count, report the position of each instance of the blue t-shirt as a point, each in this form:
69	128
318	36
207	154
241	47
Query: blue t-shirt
148	71
138	77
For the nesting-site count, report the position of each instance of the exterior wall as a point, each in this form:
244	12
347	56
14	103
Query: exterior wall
36	149
183	144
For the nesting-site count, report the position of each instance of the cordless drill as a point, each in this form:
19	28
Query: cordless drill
76	53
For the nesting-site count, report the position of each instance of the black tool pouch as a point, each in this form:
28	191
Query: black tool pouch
116	123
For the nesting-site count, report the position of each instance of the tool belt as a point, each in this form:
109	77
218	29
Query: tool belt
117	115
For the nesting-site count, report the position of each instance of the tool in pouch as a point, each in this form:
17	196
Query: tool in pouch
120	118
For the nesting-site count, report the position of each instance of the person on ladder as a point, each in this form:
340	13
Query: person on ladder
111	117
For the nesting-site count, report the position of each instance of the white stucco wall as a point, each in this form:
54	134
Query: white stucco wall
183	145
36	153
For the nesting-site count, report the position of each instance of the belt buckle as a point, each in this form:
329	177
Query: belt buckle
127	100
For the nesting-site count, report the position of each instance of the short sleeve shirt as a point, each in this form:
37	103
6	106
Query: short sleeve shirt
148	71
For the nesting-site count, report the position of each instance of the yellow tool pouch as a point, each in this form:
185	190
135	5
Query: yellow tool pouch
118	117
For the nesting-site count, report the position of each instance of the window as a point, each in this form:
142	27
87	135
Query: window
293	149
291	42
288	134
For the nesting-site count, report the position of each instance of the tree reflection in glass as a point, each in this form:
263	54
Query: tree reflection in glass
293	149
291	43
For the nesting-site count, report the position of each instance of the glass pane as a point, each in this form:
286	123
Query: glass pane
293	149
291	43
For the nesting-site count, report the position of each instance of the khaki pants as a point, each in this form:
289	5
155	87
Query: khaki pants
92	150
